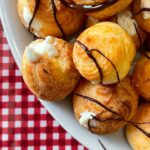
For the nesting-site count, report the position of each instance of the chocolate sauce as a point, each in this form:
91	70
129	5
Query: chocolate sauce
37	3
141	10
44	70
144	53
104	148
56	19
118	116
82	8
92	57
138	33
118	78
142	47
37	37
89	8
89	53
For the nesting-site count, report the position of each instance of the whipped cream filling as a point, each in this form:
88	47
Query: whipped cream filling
85	117
35	50
37	27
27	15
145	4
126	21
95	82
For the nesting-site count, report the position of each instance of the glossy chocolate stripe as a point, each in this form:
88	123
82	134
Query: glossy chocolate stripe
118	78
142	47
89	53
56	20
98	103
89	8
113	112
92	57
143	9
138	33
37	3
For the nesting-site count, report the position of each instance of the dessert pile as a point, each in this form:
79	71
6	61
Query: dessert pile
97	50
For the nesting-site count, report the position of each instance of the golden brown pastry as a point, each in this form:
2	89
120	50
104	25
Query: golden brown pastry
48	69
115	7
142	15
137	139
104	53
141	76
126	20
100	109
49	18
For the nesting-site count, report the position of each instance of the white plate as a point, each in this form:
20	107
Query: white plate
18	38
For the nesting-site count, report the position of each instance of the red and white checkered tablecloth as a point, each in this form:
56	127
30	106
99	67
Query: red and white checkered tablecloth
24	123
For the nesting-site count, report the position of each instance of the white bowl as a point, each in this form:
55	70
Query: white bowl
18	38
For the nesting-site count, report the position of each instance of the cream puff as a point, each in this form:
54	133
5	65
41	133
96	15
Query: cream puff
141	10
99	9
141	76
104	109
49	17
48	69
104	53
140	139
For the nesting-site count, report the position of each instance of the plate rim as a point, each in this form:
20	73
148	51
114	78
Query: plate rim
9	37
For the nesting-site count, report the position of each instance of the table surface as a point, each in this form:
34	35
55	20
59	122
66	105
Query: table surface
24	122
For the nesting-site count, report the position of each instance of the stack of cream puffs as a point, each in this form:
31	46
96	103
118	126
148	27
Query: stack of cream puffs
113	37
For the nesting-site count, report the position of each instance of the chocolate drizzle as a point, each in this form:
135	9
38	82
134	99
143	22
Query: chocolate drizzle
117	118
89	53
141	10
91	57
138	33
118	78
89	8
81	8
142	47
37	3
56	19
45	71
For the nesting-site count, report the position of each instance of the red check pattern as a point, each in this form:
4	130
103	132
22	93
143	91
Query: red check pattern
24	123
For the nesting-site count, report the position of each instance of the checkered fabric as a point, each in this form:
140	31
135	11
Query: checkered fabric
24	123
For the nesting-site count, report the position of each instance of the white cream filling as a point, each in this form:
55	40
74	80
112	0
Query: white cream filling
37	26
145	4
95	82
36	50
85	117
126	21
27	15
